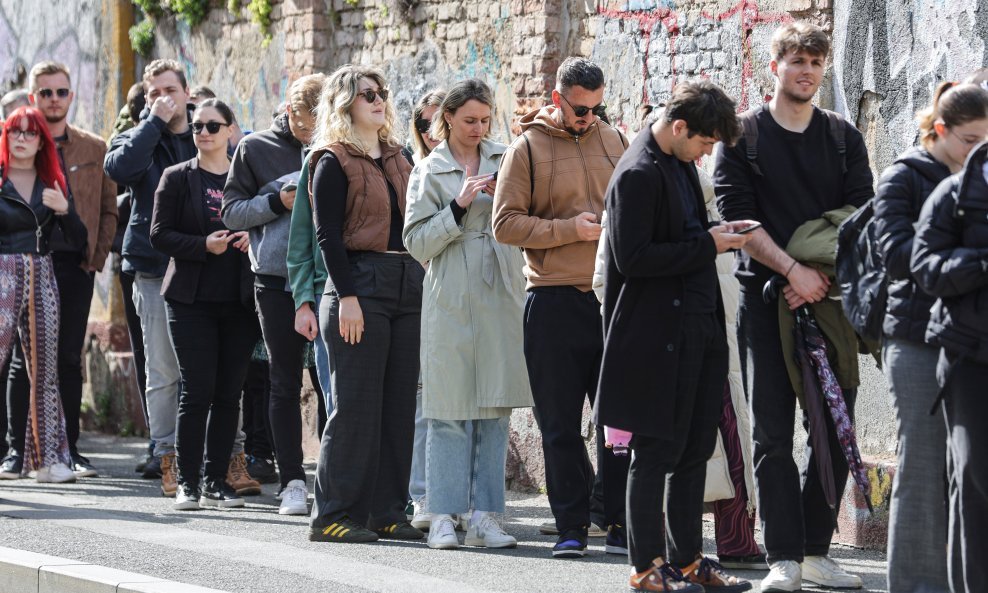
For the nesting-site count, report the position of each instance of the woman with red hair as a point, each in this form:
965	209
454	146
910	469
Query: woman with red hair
32	200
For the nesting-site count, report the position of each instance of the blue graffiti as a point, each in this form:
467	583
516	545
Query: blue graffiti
645	5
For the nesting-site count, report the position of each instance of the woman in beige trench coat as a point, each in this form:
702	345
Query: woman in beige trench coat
473	365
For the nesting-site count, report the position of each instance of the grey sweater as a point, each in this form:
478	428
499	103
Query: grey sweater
262	164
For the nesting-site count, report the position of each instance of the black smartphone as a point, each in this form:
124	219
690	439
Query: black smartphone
748	229
289	187
494	176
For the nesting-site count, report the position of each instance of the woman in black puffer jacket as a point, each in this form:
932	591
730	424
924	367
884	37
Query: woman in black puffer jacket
950	262
949	129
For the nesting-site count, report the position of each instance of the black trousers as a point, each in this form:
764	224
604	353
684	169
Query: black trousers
366	453
276	310
682	456
136	339
255	402
15	383
564	343
75	296
965	409
213	342
796	520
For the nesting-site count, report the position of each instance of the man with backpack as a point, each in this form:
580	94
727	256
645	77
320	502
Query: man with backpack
794	162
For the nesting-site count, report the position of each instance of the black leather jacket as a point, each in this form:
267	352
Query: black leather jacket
26	227
950	260
902	190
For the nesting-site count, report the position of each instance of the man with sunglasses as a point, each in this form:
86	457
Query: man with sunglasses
75	263
259	197
549	200
137	158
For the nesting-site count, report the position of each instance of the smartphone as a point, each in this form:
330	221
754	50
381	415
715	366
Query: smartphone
494	176
289	187
748	229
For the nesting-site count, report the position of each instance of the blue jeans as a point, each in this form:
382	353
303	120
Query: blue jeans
465	471
416	483
322	364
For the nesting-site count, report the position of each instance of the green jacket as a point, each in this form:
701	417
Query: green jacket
306	270
815	244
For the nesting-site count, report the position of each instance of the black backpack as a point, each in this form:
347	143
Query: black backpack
861	274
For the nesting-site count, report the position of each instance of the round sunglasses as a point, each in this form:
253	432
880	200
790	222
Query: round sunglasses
370	94
581	110
47	93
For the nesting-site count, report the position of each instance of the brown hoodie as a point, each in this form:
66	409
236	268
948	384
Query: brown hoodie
536	210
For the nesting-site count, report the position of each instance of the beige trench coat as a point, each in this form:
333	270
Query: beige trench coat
473	359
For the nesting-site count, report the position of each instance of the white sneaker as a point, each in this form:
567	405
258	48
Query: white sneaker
421	519
484	531
823	571
293	499
56	473
783	575
442	533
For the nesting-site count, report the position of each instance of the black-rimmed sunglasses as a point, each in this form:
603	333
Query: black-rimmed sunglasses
212	127
423	125
47	93
581	110
370	94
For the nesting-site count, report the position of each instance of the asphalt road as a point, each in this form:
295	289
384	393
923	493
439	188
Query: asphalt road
121	521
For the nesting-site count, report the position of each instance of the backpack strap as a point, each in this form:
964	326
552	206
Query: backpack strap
531	166
837	132
749	126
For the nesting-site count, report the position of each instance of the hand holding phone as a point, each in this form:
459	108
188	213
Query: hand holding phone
748	228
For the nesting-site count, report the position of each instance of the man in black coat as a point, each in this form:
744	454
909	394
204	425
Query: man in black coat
665	348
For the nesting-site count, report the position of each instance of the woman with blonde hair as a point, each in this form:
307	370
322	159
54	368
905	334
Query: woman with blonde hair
370	313
473	361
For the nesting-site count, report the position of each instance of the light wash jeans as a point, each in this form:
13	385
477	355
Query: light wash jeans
465	465
163	377
416	483
917	554
321	355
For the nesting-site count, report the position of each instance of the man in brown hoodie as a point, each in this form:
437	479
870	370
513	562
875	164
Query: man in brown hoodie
549	200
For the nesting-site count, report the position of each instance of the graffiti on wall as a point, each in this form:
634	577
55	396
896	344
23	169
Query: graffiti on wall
890	56
652	45
67	33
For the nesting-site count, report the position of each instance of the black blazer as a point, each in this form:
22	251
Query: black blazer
178	230
644	285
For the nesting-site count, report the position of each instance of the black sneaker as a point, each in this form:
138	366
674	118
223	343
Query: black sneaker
148	456
152	469
187	497
82	468
571	544
343	531
11	467
617	540
403	530
262	470
217	493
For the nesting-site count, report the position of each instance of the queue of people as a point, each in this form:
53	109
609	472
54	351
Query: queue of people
443	284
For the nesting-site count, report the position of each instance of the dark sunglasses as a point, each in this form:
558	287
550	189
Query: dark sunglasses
211	126
24	134
581	110
47	93
369	94
423	125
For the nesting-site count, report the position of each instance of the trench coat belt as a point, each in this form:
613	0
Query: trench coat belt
491	252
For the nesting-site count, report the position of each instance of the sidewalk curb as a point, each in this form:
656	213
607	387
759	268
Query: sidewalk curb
22	571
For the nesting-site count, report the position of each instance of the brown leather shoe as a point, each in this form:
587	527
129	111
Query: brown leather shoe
662	577
169	474
238	478
711	576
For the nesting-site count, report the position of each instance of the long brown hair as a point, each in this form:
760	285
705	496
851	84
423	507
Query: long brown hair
953	104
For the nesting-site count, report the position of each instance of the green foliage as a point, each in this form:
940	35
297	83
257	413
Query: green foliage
191	11
151	8
370	25
233	6
352	2
260	15
142	38
384	11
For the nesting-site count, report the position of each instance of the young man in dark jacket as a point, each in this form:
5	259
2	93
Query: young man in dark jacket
136	159
254	199
950	261
802	173
665	348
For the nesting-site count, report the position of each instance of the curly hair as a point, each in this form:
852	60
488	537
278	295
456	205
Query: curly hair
333	121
